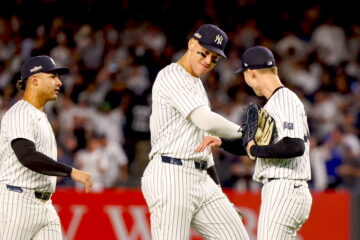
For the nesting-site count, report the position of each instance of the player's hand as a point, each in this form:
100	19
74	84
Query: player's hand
208	141
248	147
82	177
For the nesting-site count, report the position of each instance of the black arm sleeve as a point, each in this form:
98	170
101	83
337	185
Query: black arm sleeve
28	156
285	148
213	174
234	146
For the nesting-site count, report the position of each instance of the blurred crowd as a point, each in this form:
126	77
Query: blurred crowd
101	119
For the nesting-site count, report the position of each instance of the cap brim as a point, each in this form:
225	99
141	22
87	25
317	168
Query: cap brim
213	49
59	70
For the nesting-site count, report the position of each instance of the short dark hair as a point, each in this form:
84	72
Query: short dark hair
21	84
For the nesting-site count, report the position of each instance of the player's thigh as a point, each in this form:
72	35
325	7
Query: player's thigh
166	191
283	211
217	219
51	230
16	215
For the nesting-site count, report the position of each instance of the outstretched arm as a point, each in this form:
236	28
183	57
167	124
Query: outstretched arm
233	146
214	124
26	153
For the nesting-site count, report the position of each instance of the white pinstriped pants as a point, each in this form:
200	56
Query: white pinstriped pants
181	196
285	207
24	217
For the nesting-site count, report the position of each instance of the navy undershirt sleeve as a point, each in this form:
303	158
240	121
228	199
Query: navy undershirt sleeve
285	148
26	153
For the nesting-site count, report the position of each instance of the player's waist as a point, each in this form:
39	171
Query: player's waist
267	180
197	164
41	195
184	155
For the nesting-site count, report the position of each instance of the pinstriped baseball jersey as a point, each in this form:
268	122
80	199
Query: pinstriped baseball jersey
23	120
176	94
291	121
181	195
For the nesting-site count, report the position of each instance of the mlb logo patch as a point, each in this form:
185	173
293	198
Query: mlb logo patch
287	125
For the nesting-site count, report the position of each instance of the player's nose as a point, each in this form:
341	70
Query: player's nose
208	59
58	82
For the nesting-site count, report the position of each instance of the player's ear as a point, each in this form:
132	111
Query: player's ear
252	73
192	43
33	80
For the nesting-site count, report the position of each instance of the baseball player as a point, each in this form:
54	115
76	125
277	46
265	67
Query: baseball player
28	166
283	166
181	186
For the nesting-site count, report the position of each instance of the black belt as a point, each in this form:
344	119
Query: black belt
202	165
39	195
270	179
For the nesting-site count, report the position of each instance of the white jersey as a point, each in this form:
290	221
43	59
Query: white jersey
196	200
291	121
23	120
175	94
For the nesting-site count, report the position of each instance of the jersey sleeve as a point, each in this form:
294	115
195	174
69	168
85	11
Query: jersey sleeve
19	124
289	115
183	92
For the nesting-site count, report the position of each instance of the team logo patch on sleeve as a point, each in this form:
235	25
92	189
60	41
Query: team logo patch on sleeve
287	125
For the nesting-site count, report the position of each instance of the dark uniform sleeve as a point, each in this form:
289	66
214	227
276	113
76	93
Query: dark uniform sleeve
285	148
233	146
26	152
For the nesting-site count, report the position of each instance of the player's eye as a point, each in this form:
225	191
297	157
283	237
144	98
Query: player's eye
213	60
201	54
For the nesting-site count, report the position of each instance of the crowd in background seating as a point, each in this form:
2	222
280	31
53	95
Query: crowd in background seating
101	119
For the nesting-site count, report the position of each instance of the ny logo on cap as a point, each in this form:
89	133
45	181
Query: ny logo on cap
218	39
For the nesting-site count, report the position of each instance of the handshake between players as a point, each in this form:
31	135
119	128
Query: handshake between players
258	128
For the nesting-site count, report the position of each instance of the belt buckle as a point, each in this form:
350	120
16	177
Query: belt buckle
43	196
202	165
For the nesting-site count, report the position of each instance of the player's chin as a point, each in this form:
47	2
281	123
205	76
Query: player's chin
201	72
53	97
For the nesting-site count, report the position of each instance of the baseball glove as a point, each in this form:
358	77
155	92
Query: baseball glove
249	127
266	128
258	126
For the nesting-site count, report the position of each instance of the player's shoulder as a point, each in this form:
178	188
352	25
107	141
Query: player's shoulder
171	72
286	94
294	97
284	99
21	107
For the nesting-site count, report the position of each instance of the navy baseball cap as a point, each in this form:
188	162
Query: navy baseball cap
256	58
212	38
40	64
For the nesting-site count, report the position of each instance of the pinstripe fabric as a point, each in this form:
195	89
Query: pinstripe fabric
285	207
182	196
287	110
286	202
22	216
23	120
175	95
